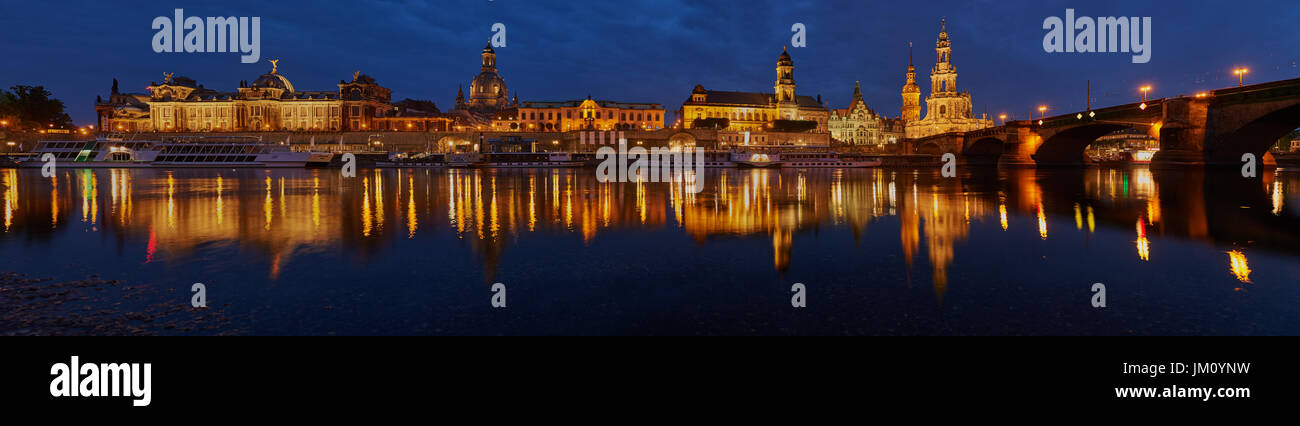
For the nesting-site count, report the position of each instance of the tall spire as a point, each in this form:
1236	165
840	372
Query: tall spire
911	110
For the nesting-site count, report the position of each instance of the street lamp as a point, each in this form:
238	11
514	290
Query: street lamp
1241	75
1042	112
1144	90
1003	117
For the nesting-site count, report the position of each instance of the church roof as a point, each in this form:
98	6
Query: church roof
756	99
273	80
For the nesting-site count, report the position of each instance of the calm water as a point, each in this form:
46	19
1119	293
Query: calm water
879	251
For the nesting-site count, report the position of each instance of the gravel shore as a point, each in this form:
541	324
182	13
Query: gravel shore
97	307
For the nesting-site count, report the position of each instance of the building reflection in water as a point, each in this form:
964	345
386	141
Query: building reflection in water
1238	265
280	213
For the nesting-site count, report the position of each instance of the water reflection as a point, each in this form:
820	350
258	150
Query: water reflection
279	214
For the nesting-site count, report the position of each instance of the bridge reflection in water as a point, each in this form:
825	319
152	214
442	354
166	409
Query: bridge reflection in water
505	216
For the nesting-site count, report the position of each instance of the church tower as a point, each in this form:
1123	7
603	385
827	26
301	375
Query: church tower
911	92
947	109
943	78
945	101
787	108
488	92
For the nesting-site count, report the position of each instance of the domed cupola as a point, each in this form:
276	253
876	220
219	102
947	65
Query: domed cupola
273	79
488	89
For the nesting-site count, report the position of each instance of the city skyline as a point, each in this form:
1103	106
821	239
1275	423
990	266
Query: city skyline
1007	71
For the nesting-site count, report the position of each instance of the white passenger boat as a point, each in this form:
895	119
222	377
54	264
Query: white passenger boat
203	151
828	160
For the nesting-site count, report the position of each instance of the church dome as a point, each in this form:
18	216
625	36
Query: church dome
784	59
488	85
273	80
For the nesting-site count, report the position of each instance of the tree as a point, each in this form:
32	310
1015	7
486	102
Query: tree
711	123
1284	144
793	126
32	107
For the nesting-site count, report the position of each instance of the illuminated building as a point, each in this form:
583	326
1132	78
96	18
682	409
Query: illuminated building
411	115
947	110
587	114
756	111
488	94
911	92
269	103
858	124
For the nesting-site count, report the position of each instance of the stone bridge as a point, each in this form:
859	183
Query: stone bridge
1213	128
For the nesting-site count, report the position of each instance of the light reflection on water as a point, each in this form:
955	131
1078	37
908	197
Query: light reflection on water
314	229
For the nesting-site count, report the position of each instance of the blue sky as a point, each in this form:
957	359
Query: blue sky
656	50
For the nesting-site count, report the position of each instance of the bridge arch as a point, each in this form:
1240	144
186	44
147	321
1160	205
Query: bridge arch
682	139
447	142
984	151
1065	147
1251	129
929	148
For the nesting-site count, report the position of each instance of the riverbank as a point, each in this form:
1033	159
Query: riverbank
94	306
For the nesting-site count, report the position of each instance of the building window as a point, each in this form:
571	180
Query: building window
356	110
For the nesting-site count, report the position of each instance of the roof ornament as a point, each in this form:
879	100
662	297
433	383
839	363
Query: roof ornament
167	77
356	75
273	65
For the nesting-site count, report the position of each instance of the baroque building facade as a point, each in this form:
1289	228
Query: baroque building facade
587	114
858	124
946	109
269	103
756	111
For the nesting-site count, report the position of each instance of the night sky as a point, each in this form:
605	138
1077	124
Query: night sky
656	51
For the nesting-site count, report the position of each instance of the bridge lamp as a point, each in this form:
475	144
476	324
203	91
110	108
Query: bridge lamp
1042	111
1241	75
1144	90
1003	117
